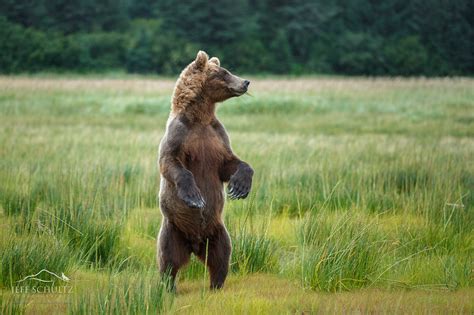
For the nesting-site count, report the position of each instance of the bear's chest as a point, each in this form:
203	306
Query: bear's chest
203	146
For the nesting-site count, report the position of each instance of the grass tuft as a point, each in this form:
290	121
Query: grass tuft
338	255
143	293
29	254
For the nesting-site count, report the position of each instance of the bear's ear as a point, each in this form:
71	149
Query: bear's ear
215	61
201	60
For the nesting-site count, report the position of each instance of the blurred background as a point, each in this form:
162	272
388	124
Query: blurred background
354	37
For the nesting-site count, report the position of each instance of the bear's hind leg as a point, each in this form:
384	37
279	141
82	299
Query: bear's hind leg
218	250
173	252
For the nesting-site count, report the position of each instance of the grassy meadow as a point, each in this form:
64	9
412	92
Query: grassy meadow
363	197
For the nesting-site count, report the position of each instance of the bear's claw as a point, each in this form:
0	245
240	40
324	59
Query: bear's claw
192	198
193	203
239	186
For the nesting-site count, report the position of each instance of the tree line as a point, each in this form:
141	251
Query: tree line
352	37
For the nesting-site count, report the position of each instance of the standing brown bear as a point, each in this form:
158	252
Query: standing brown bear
195	161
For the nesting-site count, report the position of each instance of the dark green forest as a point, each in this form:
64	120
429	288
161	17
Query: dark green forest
353	37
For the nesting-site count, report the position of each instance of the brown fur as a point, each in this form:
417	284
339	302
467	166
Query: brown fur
195	161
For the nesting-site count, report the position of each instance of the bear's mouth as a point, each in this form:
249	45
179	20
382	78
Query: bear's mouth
238	92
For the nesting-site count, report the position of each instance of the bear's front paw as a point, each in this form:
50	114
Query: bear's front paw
192	197
240	184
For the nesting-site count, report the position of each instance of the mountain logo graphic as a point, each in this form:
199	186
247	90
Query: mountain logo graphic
36	277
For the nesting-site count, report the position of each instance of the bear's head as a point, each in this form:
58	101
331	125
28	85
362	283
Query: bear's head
220	84
204	81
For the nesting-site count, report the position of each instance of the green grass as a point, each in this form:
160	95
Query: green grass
129	293
362	187
340	254
23	255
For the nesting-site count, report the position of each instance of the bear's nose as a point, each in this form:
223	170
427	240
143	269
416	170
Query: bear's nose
246	83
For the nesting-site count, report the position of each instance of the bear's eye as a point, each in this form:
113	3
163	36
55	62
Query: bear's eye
225	74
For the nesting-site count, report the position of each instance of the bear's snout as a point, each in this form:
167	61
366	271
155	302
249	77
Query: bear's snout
246	83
